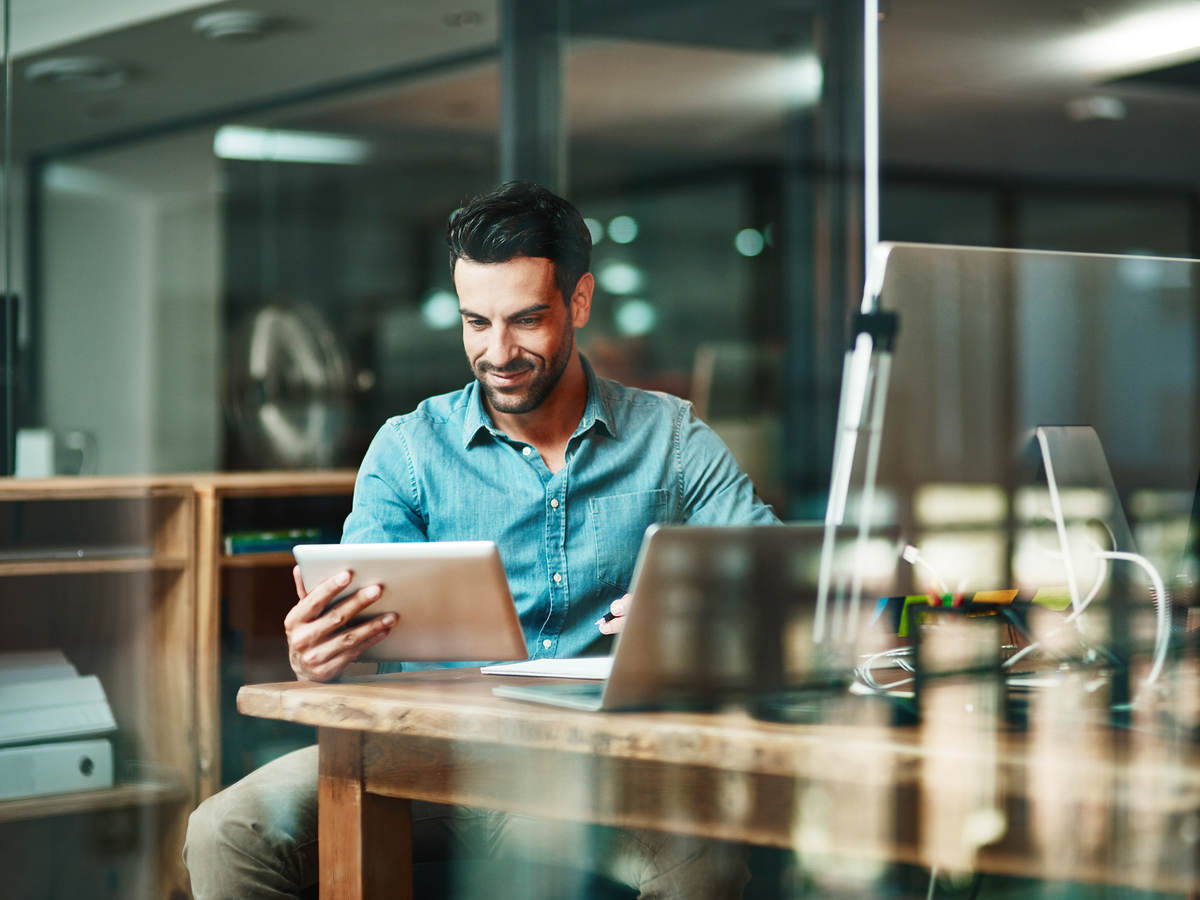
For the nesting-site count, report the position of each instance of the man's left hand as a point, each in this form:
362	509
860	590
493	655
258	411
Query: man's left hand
614	621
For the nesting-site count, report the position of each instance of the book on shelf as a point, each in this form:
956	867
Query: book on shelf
274	541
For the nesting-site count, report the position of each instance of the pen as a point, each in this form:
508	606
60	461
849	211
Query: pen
607	617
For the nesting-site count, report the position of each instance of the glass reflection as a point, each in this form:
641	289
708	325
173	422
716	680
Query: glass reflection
1012	515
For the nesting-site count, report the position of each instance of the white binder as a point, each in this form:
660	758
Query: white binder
36	769
41	698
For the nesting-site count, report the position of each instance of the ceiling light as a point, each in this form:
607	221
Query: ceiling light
803	79
623	229
595	229
1097	106
233	25
636	318
749	242
466	18
273	145
1151	35
439	310
794	81
78	73
620	278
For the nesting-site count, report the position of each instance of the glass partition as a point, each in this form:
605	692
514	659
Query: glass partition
1055	125
1028	437
1017	427
8	309
992	344
261	256
223	252
225	233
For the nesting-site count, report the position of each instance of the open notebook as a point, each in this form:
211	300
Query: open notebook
717	613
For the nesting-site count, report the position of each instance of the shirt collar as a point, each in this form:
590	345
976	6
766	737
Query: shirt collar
476	418
596	411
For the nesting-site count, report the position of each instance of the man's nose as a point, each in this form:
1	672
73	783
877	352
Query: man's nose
501	347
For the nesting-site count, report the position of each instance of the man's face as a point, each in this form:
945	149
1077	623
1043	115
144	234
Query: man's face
518	334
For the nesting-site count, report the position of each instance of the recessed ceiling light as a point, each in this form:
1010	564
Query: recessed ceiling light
78	73
233	25
465	18
1096	106
277	145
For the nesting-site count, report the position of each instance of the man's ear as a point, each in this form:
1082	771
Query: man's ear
581	300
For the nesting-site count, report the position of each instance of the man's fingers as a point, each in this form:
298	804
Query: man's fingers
301	590
303	636
346	610
337	664
614	621
611	626
348	644
312	604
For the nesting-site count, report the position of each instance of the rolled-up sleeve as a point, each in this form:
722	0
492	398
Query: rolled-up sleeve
387	500
713	487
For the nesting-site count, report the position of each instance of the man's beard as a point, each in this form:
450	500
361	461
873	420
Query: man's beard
544	380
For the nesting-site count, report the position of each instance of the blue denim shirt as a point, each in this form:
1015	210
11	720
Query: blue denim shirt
568	540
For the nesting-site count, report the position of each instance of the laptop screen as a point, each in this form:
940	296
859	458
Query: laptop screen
720	613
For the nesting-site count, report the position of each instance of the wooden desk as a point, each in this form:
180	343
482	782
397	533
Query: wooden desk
1088	805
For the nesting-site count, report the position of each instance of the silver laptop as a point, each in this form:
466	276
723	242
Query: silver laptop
719	614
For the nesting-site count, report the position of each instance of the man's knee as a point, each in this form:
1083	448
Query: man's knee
676	866
212	829
261	830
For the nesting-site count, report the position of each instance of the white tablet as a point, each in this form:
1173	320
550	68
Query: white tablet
452	597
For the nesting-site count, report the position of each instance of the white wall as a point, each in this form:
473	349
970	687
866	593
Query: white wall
129	305
186	343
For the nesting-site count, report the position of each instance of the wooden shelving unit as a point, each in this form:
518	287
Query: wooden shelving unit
141	793
249	593
103	569
127	577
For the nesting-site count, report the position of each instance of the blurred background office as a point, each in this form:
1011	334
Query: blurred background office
222	237
223	221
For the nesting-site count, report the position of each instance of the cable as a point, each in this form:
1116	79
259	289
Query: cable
1162	605
898	654
1075	614
1162	609
914	558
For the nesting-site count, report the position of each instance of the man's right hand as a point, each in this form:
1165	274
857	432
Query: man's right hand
317	649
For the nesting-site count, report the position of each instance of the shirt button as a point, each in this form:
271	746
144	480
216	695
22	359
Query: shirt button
557	578
546	643
554	503
526	450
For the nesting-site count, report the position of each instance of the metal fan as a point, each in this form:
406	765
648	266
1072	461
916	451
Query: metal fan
287	388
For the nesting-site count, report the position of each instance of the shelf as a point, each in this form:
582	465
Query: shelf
94	565
141	793
90	488
300	483
254	560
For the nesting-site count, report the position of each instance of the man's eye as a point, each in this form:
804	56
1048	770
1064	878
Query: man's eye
477	323
528	321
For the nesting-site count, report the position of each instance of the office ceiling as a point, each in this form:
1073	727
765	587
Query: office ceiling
996	89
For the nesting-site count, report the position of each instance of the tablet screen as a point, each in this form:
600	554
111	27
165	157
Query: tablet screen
452	597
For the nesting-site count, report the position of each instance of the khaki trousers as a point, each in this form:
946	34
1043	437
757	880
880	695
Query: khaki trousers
257	840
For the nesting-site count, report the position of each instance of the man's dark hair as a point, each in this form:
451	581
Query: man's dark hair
520	218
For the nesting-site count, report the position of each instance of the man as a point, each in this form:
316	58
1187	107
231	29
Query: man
564	471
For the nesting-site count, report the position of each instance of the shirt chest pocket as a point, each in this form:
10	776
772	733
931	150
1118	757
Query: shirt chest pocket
618	523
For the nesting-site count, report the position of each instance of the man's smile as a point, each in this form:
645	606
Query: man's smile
502	378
